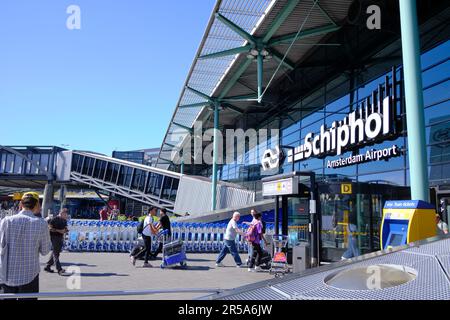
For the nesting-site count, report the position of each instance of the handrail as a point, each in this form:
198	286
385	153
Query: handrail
106	293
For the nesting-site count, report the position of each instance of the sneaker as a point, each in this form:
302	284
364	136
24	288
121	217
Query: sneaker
251	270
49	270
257	269
133	261
61	272
147	265
220	265
239	266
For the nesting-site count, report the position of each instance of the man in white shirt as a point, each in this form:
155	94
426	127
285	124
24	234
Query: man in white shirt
22	238
229	243
147	232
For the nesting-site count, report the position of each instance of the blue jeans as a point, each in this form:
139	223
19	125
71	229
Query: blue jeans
229	247
352	250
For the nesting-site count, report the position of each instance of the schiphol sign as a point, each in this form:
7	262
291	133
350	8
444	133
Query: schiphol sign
373	121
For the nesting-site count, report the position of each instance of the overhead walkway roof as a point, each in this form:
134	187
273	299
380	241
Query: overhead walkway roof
225	69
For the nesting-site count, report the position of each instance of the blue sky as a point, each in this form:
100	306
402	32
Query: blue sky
113	85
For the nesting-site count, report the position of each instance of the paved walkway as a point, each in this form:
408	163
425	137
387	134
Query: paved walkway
114	272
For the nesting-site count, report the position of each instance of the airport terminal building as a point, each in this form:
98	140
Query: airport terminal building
332	82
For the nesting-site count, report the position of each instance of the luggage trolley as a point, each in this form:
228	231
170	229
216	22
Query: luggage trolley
174	252
279	266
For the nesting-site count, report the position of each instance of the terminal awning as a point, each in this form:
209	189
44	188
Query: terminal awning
226	68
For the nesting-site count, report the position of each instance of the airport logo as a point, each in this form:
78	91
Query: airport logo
272	159
374	120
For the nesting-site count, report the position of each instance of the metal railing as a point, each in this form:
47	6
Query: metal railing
85	294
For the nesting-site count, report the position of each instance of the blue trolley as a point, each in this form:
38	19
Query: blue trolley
174	252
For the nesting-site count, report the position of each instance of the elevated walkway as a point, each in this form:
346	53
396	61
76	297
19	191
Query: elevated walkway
47	167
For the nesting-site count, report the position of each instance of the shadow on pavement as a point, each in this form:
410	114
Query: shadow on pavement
200	260
103	275
193	268
69	264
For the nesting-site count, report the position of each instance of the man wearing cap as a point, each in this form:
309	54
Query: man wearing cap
22	238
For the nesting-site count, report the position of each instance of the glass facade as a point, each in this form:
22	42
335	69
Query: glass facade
372	182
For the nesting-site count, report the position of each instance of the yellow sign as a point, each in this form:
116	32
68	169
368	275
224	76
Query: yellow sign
279	186
346	188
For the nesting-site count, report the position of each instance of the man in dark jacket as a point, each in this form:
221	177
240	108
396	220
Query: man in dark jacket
58	228
163	224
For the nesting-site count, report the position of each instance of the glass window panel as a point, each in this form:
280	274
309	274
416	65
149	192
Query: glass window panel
381	165
339	104
115	172
173	192
167	187
128	174
86	165
436	94
138	175
9	163
44	162
18	165
436	73
436	54
392	178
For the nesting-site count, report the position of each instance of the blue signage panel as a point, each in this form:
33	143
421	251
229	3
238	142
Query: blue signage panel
408	204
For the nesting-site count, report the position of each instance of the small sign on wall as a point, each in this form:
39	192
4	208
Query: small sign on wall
346	188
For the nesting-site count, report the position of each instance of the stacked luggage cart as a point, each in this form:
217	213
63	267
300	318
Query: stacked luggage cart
115	236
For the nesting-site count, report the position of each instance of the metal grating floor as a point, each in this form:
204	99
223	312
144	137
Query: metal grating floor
431	260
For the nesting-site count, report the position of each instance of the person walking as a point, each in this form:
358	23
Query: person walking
254	236
442	227
58	228
103	214
115	212
265	242
229	243
352	249
22	238
148	229
163	224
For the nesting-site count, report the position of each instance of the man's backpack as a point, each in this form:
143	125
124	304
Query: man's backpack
140	227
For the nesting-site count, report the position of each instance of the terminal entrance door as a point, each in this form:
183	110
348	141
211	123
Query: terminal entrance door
349	224
351	215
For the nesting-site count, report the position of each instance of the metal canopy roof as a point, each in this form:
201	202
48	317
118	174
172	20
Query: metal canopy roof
224	69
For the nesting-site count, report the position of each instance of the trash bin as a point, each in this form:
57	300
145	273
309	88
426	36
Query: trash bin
300	257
